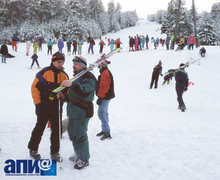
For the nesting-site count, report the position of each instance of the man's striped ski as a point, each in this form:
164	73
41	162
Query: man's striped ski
90	68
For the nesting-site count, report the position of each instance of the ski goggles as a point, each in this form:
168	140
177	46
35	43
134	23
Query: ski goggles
76	59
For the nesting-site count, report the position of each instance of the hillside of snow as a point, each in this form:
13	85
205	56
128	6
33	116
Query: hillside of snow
151	138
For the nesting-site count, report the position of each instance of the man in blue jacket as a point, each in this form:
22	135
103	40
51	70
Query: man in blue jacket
79	111
181	77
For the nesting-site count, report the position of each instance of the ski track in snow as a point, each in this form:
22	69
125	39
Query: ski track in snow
152	139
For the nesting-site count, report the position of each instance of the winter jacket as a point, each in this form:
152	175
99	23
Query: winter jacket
35	44
60	44
158	69
143	40
172	38
168	40
4	50
45	81
101	42
181	77
15	38
182	40
147	39
50	43
131	42
28	44
192	40
92	42
105	86
83	90
34	56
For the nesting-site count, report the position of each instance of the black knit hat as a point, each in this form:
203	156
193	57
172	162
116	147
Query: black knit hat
58	56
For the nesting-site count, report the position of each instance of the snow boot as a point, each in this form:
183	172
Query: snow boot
74	158
100	134
35	155
105	137
183	108
57	157
81	164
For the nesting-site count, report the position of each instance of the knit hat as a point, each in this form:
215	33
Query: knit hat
80	61
58	56
182	65
105	63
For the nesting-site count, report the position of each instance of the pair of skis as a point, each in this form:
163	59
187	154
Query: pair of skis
90	68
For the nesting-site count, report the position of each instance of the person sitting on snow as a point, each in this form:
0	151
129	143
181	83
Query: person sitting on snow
202	51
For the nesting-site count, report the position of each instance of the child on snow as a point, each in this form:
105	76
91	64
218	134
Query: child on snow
34	57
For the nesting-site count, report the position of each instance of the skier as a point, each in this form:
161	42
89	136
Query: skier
101	43
143	40
79	111
69	47
4	52
79	44
35	45
28	44
40	43
49	46
35	57
155	75
182	80
46	109
147	41
91	44
14	42
192	41
167	41
136	43
60	45
168	76
74	47
131	44
172	42
105	92
202	52
155	42
112	43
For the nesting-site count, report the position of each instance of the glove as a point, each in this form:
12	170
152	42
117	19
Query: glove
39	110
99	100
185	89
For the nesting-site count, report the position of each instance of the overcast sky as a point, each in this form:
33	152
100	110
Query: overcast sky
145	7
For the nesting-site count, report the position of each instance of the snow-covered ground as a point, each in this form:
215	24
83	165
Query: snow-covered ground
152	139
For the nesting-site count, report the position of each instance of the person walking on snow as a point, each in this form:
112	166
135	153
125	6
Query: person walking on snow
4	52
28	44
35	45
49	46
143	40
46	80
79	111
101	43
105	92
182	80
35	57
60	45
15	39
155	75
91	44
147	41
112	44
192	41
167	41
79	44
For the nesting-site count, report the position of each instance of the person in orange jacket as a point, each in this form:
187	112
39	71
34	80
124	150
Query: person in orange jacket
46	80
101	43
105	92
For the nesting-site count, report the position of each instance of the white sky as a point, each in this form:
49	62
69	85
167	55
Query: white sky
145	7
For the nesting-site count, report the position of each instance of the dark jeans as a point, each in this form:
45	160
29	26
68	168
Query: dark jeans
38	132
154	79
49	50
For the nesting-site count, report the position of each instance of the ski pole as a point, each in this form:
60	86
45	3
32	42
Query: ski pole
60	120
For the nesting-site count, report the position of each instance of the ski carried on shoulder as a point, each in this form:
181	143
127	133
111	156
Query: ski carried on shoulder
90	68
185	65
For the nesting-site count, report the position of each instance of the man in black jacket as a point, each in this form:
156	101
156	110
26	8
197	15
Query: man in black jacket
155	75
4	52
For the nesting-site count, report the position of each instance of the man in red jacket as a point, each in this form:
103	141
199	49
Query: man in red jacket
105	92
192	41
